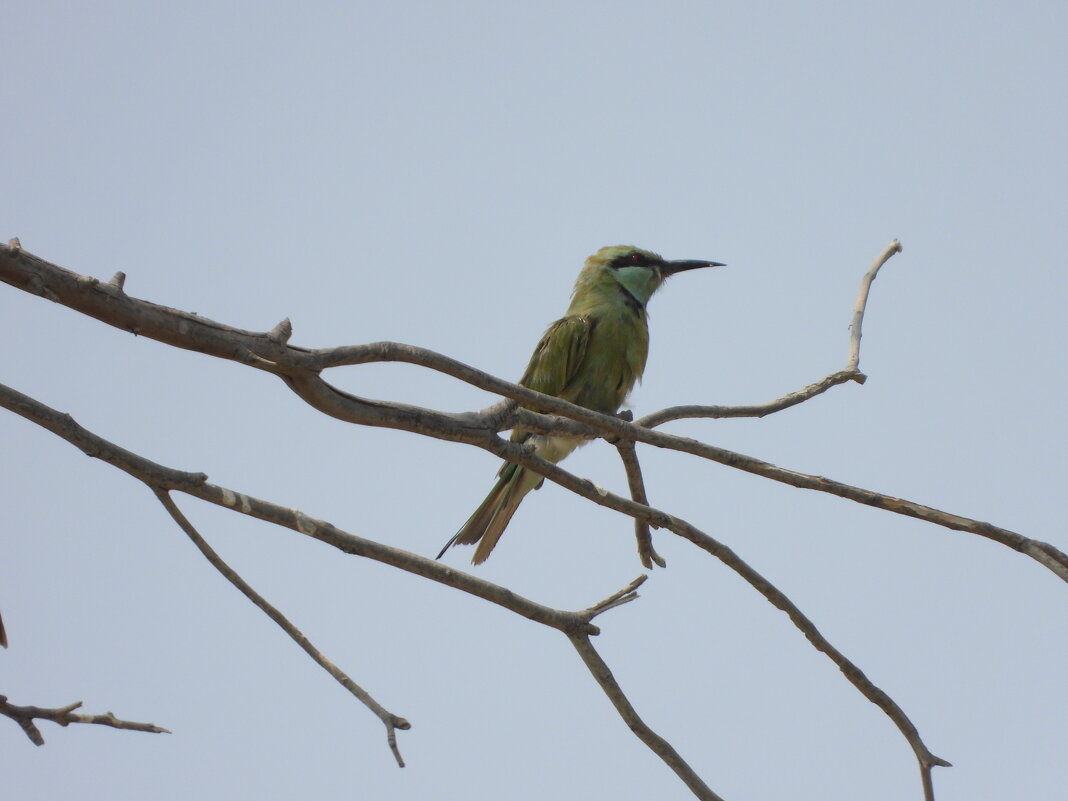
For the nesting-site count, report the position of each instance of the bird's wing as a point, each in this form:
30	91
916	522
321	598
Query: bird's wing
558	356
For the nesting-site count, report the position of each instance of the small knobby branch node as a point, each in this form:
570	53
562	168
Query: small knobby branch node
281	332
64	716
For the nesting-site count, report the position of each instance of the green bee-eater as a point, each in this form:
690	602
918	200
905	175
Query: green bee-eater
592	357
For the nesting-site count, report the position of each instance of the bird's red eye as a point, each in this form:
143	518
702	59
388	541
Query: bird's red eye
636	258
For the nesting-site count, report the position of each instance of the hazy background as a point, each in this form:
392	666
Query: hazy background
435	174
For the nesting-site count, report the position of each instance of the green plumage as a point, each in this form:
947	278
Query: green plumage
591	357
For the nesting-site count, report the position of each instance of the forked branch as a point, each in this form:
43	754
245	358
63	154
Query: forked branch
301	368
576	625
64	716
851	371
162	480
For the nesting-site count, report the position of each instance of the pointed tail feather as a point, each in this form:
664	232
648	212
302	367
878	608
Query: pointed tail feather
499	522
489	520
471	531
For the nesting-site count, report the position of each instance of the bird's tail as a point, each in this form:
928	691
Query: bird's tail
489	520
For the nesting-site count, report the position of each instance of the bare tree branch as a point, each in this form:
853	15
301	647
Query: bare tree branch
162	479
157	476
392	722
657	744
300	368
691	411
64	716
623	596
636	484
642	533
851	372
862	301
573	624
775	596
628	454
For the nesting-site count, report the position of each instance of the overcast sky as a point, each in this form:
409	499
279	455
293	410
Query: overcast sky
435	174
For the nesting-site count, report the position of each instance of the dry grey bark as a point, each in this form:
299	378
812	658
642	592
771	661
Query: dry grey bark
301	369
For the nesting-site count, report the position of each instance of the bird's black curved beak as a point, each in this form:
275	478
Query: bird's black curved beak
672	267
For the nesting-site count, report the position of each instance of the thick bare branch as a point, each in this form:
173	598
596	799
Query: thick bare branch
570	623
161	479
776	597
157	476
1042	552
300	368
64	716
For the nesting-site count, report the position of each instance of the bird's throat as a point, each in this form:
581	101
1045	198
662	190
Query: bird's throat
633	302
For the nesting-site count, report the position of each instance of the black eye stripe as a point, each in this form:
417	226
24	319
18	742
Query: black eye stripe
631	260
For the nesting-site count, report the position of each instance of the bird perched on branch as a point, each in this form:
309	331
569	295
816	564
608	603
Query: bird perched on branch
592	357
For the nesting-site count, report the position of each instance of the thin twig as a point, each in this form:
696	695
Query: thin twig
64	716
851	372
853	362
657	744
623	596
753	410
392	722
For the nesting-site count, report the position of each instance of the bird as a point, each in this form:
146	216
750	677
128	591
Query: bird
592	357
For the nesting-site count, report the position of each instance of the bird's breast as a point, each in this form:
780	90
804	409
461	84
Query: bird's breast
614	361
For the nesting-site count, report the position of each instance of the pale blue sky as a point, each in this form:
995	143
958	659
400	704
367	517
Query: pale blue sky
435	174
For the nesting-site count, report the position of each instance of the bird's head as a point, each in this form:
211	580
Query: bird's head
636	272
